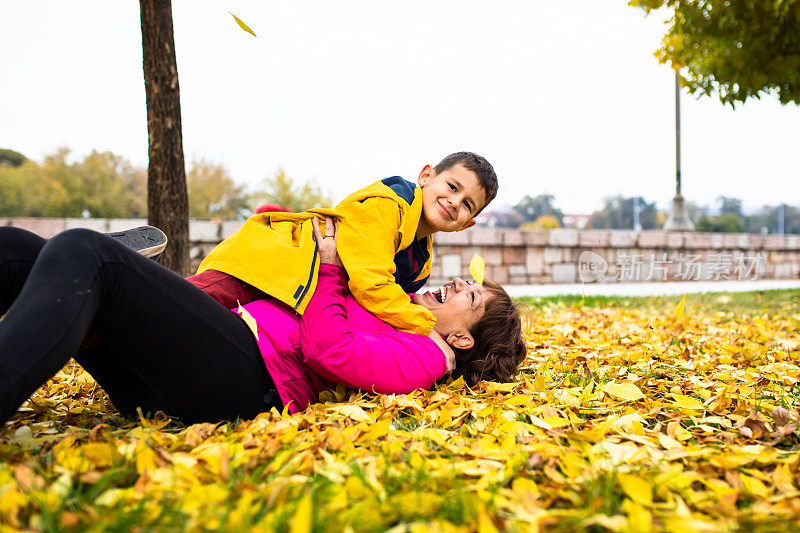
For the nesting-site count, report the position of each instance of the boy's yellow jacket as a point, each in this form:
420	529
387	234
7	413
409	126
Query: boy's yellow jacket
277	253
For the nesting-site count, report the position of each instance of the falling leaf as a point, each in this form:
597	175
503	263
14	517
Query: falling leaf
476	268
242	25
248	319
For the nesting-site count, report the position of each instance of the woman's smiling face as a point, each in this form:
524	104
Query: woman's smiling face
457	306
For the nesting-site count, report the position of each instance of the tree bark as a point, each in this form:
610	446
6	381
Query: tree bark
167	199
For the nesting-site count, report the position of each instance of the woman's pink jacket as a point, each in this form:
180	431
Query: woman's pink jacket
338	341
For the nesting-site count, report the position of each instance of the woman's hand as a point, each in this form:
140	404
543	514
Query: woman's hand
327	243
449	354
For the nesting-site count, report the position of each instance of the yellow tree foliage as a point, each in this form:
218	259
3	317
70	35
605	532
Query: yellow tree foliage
282	190
213	193
102	185
735	50
543	222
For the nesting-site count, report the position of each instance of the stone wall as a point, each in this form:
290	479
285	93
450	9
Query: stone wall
571	255
546	256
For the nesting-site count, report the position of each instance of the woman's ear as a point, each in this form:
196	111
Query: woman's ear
462	341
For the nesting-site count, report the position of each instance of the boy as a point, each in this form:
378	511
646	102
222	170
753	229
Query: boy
384	241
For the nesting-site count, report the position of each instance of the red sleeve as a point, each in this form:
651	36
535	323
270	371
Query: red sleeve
387	363
225	289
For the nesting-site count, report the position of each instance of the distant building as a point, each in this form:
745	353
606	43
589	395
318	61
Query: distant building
499	219
575	221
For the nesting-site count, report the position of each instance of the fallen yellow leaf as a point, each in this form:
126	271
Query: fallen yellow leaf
624	391
352	411
636	488
248	319
687	402
679	308
301	523
538	383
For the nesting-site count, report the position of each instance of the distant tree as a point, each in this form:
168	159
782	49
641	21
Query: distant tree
730	223
767	217
704	224
617	213
281	189
10	157
533	207
730	219
696	210
734	49
23	190
543	222
730	205
102	185
724	223
108	186
167	198
757	222
213	193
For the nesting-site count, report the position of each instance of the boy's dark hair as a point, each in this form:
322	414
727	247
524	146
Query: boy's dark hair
477	164
499	347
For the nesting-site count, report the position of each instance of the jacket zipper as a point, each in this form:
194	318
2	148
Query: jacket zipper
310	275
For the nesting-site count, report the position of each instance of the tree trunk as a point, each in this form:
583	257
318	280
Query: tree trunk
167	200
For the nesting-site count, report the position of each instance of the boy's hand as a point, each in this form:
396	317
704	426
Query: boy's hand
327	243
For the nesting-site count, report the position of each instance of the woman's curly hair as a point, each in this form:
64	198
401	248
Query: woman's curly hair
499	347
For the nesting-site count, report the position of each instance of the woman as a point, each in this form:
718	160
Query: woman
168	346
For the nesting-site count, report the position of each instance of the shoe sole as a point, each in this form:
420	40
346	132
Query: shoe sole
146	240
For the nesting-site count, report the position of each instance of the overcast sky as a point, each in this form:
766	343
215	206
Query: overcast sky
562	97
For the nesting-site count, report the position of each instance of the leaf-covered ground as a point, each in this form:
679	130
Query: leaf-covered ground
625	418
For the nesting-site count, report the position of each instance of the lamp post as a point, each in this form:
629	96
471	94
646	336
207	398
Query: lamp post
679	218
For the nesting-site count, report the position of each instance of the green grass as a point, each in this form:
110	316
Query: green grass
768	302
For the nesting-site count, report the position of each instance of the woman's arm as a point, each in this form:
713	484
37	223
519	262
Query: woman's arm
396	362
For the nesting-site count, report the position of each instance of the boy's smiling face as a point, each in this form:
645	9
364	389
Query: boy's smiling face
449	199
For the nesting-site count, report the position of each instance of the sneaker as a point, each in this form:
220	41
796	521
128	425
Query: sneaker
146	240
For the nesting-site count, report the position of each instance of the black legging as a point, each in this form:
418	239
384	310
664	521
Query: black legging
166	344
